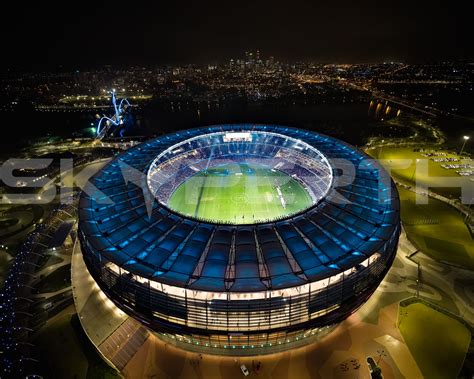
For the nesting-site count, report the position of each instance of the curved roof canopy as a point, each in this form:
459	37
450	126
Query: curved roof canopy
352	222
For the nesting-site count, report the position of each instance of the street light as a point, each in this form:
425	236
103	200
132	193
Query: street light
414	170
464	144
380	353
23	298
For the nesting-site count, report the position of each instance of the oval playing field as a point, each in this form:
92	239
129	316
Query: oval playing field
240	194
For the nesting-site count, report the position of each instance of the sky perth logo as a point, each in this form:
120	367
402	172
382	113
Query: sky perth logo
25	182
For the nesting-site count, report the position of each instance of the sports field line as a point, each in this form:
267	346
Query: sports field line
201	190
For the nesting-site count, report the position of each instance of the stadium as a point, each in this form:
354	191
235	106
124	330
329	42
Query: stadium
232	238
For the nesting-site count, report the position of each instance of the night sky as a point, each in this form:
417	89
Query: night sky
79	34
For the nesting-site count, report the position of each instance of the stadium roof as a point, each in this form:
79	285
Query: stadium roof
330	237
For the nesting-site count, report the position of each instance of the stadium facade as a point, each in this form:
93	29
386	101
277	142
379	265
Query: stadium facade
233	287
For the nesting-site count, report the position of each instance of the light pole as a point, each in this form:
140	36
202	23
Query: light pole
414	170
468	213
381	353
402	314
466	138
23	298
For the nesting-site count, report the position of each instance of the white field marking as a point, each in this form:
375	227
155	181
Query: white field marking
208	198
269	197
282	199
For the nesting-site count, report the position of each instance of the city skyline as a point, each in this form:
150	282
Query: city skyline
47	37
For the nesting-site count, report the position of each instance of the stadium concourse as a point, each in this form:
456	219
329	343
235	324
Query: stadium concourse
220	286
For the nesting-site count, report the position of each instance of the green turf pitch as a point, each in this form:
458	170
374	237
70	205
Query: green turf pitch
437	342
437	229
240	194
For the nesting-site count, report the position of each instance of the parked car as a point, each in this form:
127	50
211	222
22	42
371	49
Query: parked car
244	370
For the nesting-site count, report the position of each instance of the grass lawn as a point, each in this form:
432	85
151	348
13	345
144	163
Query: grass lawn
5	261
67	353
57	280
240	193
47	261
60	349
437	342
436	174
437	229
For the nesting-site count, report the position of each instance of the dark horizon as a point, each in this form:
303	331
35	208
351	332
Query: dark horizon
46	37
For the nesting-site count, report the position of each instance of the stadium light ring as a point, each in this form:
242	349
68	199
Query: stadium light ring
181	149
